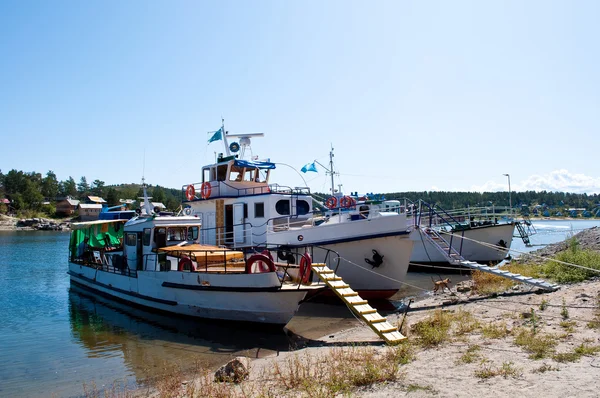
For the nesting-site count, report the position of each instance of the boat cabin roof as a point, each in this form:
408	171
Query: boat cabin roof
86	224
237	170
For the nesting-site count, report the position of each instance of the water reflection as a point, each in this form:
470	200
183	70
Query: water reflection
147	342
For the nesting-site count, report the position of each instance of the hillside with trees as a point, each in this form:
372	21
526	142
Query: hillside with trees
31	193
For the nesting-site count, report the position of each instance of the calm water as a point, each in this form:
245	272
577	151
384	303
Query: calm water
547	231
54	338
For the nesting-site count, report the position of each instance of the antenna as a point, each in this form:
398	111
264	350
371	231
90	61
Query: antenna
330	170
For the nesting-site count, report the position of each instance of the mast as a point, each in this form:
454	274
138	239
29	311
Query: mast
331	171
225	137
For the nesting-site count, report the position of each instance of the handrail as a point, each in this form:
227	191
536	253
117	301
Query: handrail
239	192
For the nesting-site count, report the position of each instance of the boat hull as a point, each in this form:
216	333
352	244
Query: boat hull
355	242
182	293
425	254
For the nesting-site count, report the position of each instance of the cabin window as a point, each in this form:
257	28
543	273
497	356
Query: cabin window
159	231
250	175
206	175
222	172
192	233
236	173
302	207
147	233
283	207
131	240
259	210
176	234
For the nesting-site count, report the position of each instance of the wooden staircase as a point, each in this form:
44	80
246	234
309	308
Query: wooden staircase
358	305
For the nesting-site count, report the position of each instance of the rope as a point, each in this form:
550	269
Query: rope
463	294
490	245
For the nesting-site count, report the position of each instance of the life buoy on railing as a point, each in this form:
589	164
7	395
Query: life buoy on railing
347	201
259	263
190	192
331	203
186	264
305	268
205	190
267	253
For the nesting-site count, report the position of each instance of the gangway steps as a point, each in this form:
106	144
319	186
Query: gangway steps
507	274
358	305
451	255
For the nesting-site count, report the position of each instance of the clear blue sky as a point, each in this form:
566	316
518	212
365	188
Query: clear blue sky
413	95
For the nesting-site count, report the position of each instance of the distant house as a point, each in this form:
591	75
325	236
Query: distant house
89	211
67	207
95	199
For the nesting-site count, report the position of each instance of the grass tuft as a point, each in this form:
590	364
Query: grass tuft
539	346
506	370
564	273
433	330
470	355
418	387
544	368
495	331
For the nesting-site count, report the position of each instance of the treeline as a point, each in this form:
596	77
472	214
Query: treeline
520	200
30	192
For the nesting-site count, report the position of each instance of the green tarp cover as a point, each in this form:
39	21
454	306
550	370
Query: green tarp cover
100	235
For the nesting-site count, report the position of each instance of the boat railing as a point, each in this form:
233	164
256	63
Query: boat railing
217	260
224	189
435	216
292	257
107	262
285	258
283	189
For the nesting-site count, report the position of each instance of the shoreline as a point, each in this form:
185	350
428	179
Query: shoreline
518	342
444	369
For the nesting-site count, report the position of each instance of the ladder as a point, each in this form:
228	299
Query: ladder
358	305
507	274
523	233
449	252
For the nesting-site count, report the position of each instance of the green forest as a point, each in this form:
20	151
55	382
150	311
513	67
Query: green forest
31	194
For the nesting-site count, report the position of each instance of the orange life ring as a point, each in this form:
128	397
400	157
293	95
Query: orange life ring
264	263
347	202
186	264
305	267
331	203
205	190
190	192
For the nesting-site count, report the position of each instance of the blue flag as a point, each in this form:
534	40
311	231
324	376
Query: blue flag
309	167
218	135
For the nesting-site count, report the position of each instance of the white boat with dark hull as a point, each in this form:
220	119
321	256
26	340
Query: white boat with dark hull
483	235
474	234
156	262
240	208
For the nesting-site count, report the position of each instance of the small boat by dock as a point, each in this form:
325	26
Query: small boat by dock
157	262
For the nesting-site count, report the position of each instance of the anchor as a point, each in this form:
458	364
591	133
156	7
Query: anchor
377	259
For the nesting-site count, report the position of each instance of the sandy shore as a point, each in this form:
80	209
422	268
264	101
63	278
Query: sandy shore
440	371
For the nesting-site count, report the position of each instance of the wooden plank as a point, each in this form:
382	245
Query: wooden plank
364	309
355	300
338	284
347	292
385	327
374	317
